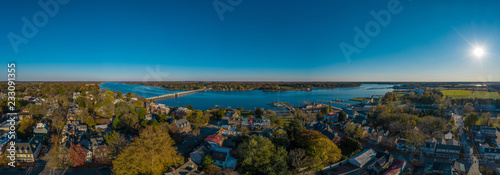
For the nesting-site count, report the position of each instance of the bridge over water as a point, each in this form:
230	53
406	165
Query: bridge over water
177	94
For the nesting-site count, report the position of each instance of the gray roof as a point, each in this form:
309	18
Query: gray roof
492	150
28	147
431	140
219	156
182	123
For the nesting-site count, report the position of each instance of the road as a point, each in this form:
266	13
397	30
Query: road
470	160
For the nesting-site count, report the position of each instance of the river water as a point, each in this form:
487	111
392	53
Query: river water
254	98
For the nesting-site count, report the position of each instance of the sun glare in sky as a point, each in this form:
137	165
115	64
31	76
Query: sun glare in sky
478	52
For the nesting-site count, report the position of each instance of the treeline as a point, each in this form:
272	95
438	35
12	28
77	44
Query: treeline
462	101
241	86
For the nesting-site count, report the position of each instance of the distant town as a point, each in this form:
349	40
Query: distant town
418	128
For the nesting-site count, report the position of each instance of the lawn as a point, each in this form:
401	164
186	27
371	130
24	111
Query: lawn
457	94
358	99
286	121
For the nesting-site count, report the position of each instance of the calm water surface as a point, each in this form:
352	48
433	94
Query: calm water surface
254	98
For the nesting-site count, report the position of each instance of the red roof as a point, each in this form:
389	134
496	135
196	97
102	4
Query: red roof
214	138
332	114
396	167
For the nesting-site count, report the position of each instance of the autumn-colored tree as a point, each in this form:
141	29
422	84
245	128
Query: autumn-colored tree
26	128
319	147
77	155
151	153
212	169
299	160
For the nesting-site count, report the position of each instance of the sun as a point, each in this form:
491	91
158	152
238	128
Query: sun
479	52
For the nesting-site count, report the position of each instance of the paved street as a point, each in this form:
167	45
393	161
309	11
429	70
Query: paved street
471	161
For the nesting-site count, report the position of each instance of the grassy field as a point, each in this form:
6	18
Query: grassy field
457	94
358	99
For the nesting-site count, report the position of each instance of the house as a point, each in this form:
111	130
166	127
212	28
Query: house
148	117
487	108
99	149
445	168
234	119
28	151
491	153
41	129
81	128
331	116
382	162
244	122
397	167
164	110
197	155
480	137
262	122
101	127
4	140
182	111
228	130
448	148
180	126
360	119
448	135
401	145
350	113
429	147
488	131
220	158
363	158
215	139
404	146
189	168
368	129
88	148
375	138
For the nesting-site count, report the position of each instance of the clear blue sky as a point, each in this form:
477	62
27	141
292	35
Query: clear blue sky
285	40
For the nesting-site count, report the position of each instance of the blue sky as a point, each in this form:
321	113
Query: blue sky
257	41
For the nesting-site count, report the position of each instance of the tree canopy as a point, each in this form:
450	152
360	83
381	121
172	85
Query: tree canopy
151	153
258	155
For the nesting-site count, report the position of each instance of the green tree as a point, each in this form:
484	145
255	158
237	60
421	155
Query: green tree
259	112
114	142
360	133
342	116
220	113
116	123
190	107
163	118
470	120
280	138
293	128
207	160
350	147
258	155
151	153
